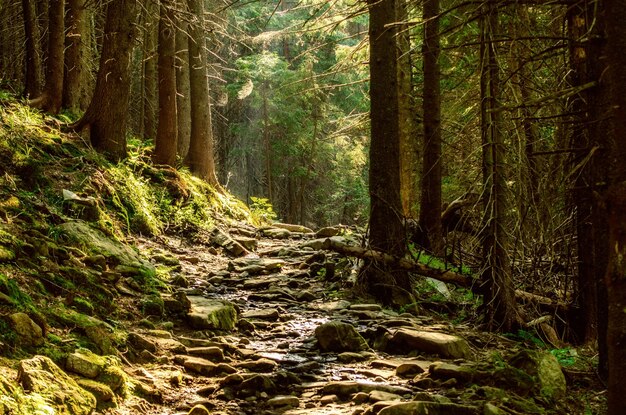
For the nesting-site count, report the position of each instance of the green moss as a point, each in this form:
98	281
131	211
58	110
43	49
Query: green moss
153	306
21	300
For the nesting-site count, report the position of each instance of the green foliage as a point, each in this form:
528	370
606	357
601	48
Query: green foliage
21	300
527	337
262	210
566	357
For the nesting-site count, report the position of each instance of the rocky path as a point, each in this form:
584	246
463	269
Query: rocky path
271	332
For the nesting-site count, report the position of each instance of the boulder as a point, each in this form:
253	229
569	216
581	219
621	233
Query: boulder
283	401
102	392
292	227
545	370
276	233
445	371
28	332
269	314
40	375
405	340
337	336
212	353
95	242
221	238
211	314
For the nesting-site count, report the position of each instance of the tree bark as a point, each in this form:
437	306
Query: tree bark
183	103
497	285
616	202
75	83
107	114
33	81
166	146
200	158
150	71
430	203
387	283
409	143
52	97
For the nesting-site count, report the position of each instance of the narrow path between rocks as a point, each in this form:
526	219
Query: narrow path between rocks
269	333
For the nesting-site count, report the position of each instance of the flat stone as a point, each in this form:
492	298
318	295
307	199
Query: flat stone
337	336
269	314
350	357
205	367
292	227
212	353
255	266
282	401
221	238
377	396
345	388
85	363
261	365
442	370
428	408
328	232
407	340
408	370
276	233
365	307
249	243
211	314
259	283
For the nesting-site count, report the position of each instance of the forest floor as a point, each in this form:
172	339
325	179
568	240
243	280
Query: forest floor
273	362
212	315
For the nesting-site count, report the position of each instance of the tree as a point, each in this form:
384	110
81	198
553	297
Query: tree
75	81
33	81
165	146
616	203
499	298
386	224
430	201
149	100
52	97
200	157
107	114
183	102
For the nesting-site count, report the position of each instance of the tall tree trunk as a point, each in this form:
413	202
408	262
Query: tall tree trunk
165	146
409	143
388	285
430	206
33	81
499	298
107	115
616	202
75	82
591	108
183	103
52	97
200	158
150	71
267	144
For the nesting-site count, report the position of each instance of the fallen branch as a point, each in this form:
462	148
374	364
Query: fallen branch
541	300
403	263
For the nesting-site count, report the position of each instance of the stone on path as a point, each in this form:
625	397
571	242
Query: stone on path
207	313
260	365
269	314
377	396
85	363
282	401
292	227
205	367
276	233
428	408
255	266
221	238
199	410
346	388
408	370
442	370
406	340
212	353
337	336
40	375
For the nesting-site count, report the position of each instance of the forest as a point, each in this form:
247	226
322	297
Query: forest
454	166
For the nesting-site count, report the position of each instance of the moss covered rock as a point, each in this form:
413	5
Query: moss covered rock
85	363
336	336
42	377
545	371
207	313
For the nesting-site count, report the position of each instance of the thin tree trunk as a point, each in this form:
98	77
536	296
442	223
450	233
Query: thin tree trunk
165	146
33	82
183	103
430	206
200	158
409	148
150	71
499	296
75	83
52	97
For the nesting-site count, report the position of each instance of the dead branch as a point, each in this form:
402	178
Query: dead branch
403	263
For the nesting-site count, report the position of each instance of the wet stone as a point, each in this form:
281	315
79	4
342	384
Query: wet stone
281	401
337	336
408	370
261	365
269	314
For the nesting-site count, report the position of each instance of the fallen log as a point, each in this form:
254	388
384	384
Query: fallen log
403	263
541	300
